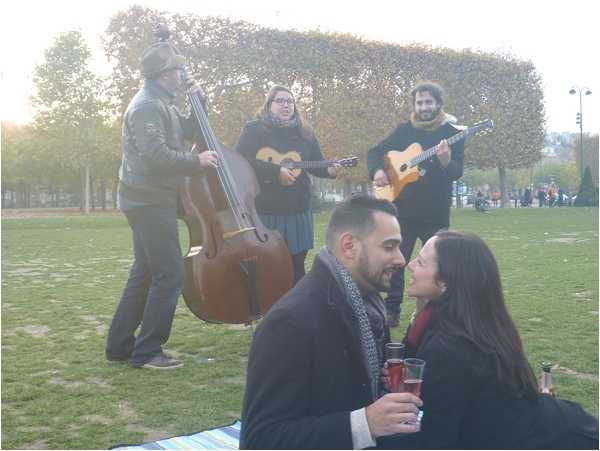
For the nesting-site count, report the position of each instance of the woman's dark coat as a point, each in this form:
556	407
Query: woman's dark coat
465	406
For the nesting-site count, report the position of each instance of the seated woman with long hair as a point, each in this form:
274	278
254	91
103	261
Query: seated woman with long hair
478	389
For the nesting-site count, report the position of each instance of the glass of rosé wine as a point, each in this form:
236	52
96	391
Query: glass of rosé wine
394	357
413	376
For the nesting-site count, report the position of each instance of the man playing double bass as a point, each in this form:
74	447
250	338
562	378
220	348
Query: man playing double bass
154	161
423	206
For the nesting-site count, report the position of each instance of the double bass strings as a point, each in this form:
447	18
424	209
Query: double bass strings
223	171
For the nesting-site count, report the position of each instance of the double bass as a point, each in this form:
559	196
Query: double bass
235	267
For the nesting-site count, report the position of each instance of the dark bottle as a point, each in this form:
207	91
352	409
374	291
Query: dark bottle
546	379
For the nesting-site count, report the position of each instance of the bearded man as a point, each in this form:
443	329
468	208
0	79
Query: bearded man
423	206
313	379
154	161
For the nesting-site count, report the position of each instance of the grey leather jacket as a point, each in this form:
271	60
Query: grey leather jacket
154	158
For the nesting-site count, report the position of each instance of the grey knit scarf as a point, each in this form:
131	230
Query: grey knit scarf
355	300
279	122
440	119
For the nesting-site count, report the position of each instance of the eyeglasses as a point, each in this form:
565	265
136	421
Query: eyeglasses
282	101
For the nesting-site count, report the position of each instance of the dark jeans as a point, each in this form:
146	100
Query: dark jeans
410	230
154	285
298	262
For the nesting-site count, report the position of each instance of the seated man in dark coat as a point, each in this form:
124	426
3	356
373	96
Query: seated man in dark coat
313	377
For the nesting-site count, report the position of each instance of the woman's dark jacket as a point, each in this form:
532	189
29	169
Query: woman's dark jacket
274	198
428	199
465	406
305	369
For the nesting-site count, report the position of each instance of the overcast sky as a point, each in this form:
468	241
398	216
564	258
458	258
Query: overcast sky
556	36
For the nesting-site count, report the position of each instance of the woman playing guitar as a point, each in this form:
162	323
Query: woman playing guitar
284	202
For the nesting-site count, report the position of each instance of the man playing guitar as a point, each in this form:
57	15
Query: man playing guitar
424	205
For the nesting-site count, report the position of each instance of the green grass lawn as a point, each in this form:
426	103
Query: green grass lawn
62	278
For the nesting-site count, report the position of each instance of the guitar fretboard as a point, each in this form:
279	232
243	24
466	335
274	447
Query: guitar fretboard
431	151
311	164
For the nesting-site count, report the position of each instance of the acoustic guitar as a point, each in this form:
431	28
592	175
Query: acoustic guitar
291	160
402	167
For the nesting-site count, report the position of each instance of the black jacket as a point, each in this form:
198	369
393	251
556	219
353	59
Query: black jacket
429	199
274	198
465	406
154	158
305	369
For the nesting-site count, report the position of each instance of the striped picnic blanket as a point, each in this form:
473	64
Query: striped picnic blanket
224	437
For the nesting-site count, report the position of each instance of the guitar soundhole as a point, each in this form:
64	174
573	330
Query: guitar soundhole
403	168
270	159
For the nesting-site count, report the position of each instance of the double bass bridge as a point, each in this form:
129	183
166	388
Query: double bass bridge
227	235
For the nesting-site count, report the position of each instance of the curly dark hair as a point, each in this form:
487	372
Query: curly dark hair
432	88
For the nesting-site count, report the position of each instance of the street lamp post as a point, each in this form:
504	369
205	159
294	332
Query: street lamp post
582	90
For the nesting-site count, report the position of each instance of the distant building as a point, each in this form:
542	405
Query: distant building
558	146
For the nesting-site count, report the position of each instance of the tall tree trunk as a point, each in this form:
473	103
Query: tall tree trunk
347	187
317	187
103	194
82	188
364	189
503	193
85	189
115	191
92	193
459	203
